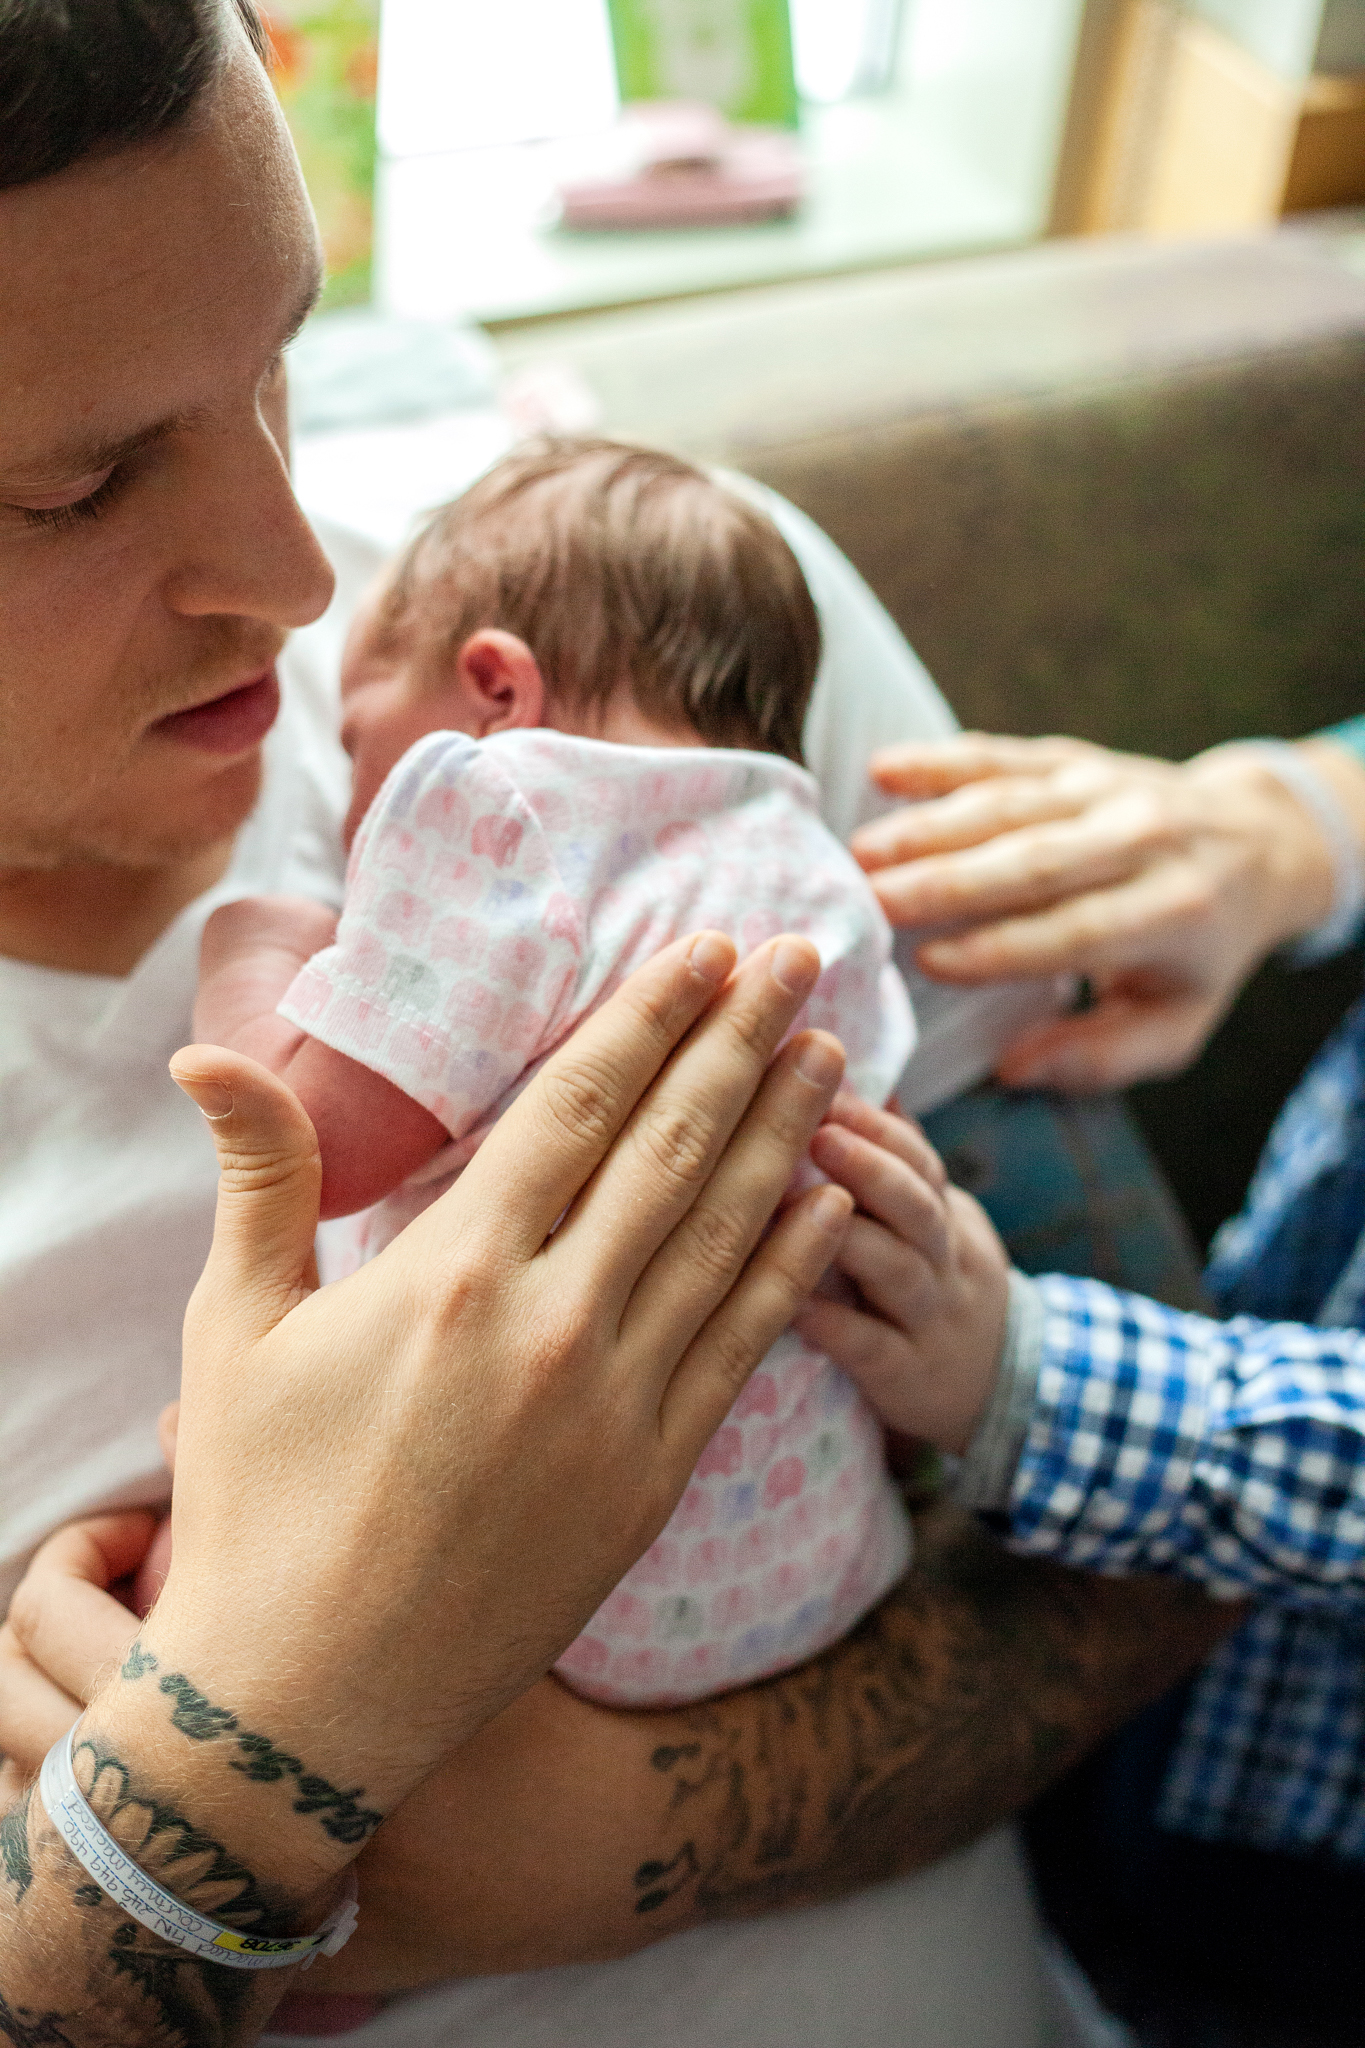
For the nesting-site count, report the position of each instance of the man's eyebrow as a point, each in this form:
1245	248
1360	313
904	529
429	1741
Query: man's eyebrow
104	451
83	458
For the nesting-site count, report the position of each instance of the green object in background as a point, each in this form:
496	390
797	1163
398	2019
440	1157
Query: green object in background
731	54
325	67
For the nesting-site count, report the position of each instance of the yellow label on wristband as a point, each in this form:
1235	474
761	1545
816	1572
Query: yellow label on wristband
261	1945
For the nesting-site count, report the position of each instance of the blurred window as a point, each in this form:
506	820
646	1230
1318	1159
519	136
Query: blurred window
929	126
463	74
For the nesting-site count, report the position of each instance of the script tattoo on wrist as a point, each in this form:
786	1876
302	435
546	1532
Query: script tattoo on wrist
339	1813
119	1982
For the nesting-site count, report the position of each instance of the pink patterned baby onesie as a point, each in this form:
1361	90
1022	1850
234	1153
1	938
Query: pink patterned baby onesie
498	891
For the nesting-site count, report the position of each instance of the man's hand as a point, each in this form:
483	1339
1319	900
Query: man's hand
400	1498
1165	886
523	1380
923	1335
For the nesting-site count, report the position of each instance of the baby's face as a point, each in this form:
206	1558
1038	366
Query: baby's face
383	709
391	698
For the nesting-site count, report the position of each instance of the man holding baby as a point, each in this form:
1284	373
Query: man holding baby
315	1638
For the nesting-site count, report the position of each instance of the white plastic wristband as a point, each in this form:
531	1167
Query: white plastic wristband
142	1899
1320	800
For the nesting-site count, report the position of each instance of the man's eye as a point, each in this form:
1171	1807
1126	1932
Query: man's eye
63	517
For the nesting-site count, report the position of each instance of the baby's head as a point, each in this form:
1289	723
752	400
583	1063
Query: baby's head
600	589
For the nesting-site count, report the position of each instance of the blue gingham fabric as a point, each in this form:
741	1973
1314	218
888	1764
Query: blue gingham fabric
1233	1453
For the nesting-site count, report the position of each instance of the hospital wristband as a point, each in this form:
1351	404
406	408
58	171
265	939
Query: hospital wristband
138	1895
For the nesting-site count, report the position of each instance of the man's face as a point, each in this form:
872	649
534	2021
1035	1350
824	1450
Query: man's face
152	555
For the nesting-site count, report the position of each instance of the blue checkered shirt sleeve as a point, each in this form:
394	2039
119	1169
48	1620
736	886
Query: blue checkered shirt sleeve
1230	1453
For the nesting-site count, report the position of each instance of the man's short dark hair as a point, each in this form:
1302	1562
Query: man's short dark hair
88	77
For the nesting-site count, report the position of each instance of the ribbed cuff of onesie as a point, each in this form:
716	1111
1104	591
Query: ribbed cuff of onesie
985	1477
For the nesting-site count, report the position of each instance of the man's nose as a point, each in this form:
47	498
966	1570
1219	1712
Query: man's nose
244	547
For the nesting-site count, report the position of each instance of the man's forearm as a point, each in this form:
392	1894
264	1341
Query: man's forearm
975	1686
223	1818
75	1970
570	1833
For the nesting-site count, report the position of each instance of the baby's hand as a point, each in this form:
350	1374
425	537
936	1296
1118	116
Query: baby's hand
923	1337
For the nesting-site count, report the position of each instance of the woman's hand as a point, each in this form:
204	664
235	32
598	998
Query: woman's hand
922	1335
1165	886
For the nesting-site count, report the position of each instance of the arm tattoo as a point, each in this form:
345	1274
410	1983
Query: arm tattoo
14	1846
116	1984
27	2029
340	1814
979	1681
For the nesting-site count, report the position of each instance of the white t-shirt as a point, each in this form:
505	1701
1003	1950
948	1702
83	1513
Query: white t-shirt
106	1205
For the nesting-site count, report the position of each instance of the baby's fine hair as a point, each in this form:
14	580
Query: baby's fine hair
620	565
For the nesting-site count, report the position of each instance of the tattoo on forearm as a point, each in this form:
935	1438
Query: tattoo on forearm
174	1986
339	1813
656	1883
28	2029
120	1984
170	1849
963	1696
14	1845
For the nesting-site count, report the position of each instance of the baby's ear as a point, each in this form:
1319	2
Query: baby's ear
502	681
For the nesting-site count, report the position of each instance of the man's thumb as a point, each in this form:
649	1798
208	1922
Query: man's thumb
269	1183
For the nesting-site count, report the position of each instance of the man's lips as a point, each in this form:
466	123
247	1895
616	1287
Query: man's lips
231	724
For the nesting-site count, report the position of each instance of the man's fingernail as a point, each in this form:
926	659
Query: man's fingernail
712	957
211	1096
820	1063
795	967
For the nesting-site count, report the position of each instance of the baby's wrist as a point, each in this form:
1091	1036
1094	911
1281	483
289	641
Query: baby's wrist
991	1459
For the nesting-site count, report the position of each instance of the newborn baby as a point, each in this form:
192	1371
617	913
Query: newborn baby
574	708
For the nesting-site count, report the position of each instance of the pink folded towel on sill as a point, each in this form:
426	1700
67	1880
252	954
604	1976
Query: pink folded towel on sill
669	163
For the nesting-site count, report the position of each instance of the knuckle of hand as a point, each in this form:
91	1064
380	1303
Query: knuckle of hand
578	1099
657	1008
736	1349
674	1144
782	1125
1151	827
1193	896
466	1294
256	1172
755	1026
718	1243
571	1339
